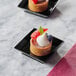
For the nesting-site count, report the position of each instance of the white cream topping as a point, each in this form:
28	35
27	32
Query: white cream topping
42	40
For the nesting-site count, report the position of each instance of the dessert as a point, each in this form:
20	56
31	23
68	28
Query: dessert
40	42
38	5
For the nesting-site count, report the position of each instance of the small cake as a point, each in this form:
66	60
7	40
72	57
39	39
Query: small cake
40	42
38	5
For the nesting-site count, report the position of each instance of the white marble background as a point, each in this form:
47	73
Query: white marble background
15	24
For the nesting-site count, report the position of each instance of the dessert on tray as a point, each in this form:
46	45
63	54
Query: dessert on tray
38	5
40	42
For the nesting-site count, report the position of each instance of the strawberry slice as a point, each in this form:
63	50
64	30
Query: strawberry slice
35	1
45	29
35	34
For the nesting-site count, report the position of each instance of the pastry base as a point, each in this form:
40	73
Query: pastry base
39	7
40	51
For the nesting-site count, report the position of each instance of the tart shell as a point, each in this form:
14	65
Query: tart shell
40	51
39	7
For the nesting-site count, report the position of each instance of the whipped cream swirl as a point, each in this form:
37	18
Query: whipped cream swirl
42	40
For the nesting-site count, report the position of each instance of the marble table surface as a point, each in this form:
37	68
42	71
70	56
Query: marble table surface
15	24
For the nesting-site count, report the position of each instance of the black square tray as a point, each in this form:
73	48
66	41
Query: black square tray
51	7
24	47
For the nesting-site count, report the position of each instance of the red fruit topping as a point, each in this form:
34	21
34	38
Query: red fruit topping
45	29
35	1
35	34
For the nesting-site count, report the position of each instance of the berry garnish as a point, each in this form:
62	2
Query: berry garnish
35	34
35	1
50	37
45	29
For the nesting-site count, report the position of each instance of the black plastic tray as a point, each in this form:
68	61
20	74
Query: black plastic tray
24	47
51	7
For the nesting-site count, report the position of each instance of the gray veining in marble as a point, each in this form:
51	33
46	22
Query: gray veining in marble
15	24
